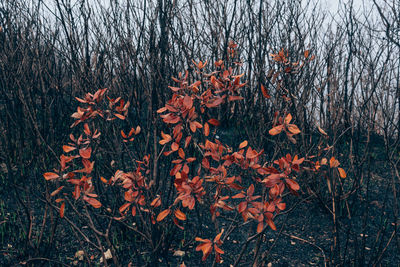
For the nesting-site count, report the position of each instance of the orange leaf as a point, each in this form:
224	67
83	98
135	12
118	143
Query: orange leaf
243	144
166	138
85	152
124	207
188	102
119	116
163	214
218	250
271	224
86	129
288	118
218	237
206	129
214	122
292	184
260	227
276	130
306	53
62	209
264	92
68	148
333	163
156	202
181	153
235	97
50	175
192	126
205	248
342	173
293	129
92	201
174	146
55	192
322	131
180	215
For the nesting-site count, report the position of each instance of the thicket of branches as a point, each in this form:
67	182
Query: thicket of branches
54	51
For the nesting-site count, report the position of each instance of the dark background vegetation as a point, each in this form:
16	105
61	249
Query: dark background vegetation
52	51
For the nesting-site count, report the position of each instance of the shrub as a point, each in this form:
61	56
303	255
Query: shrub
210	185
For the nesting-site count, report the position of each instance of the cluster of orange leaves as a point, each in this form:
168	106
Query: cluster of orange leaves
187	115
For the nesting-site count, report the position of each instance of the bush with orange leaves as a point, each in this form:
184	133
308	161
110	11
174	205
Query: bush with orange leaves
209	182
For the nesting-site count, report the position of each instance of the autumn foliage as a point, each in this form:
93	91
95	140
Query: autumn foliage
209	180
